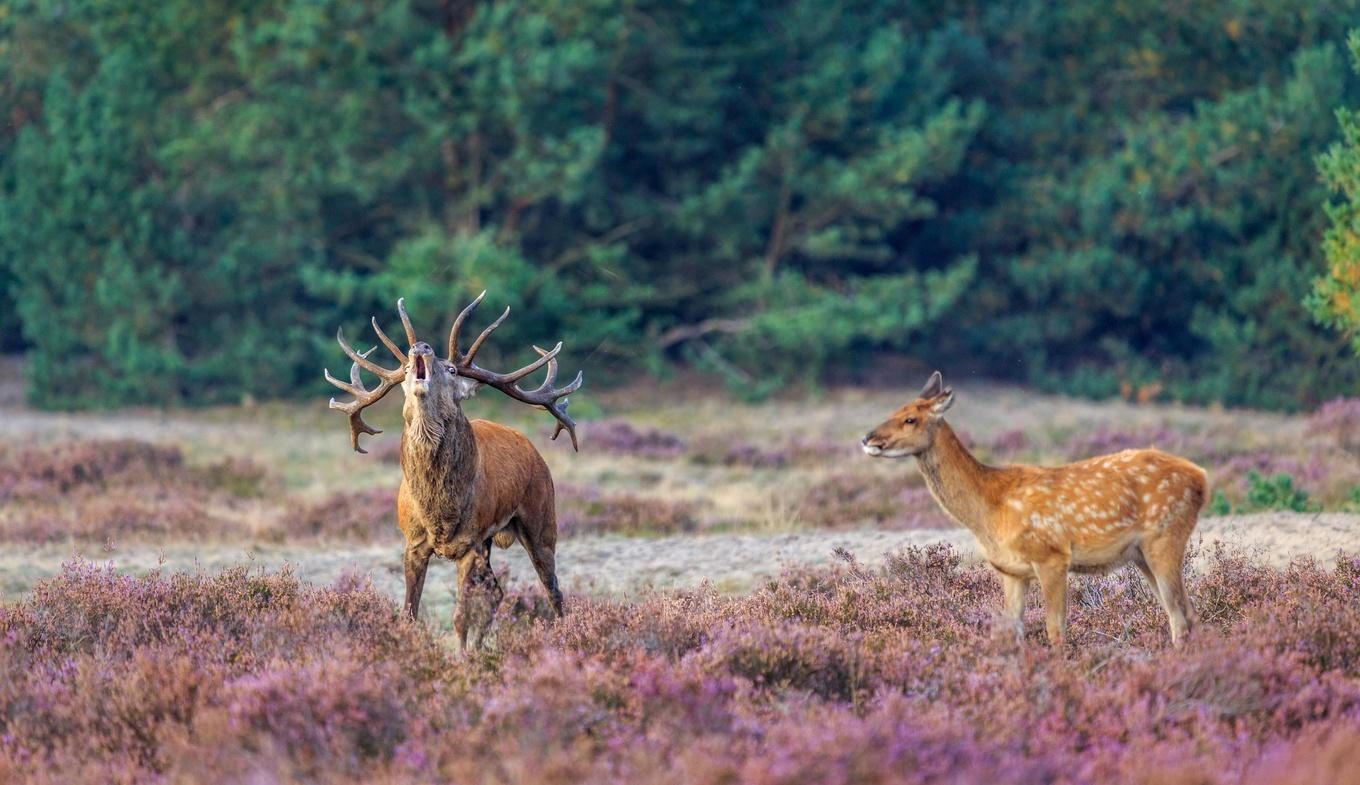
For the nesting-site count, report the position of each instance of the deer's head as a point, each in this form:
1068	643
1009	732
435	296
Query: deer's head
911	429
435	387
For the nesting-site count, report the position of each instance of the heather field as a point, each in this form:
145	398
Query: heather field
211	595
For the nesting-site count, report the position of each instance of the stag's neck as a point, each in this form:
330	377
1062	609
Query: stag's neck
961	484
439	460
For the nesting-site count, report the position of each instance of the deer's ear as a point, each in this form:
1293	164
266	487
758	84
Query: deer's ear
463	387
942	402
933	386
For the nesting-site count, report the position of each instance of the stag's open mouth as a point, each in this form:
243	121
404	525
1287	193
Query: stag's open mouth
420	368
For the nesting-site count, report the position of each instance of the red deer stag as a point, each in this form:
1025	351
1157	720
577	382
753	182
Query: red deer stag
464	483
1040	522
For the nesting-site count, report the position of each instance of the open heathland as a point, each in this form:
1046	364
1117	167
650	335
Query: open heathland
213	595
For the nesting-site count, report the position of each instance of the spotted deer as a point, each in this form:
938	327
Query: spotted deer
1041	522
465	484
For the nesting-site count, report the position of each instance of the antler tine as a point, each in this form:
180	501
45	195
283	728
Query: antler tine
552	369
388	342
458	325
481	339
355	410
406	322
355	386
354	377
363	397
362	359
553	399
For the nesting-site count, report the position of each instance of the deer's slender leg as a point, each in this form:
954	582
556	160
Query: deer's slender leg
416	561
1052	576
1165	559
1141	563
1013	588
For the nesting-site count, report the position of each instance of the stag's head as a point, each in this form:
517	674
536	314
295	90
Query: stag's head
911	429
434	387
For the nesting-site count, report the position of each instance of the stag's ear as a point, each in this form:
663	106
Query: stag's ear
463	386
942	402
933	387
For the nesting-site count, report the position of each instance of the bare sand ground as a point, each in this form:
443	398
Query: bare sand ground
624	566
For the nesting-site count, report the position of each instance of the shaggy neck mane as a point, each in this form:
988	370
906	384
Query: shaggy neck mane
965	487
439	464
424	429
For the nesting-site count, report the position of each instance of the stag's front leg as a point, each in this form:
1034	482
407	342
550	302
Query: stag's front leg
479	595
416	562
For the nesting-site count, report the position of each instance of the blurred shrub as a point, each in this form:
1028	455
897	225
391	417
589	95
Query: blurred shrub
364	515
1338	419
110	490
1335	298
848	499
585	510
1274	492
622	438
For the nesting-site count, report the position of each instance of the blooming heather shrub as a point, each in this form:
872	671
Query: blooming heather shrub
387	451
107	668
842	674
1009	443
1102	441
112	490
712	451
38	472
1338	419
796	451
587	510
113	515
845	499
623	438
1311	473
365	515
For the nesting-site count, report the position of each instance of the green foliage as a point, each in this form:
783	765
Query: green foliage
1352	503
1277	492
1335	299
1077	194
1219	504
1177	256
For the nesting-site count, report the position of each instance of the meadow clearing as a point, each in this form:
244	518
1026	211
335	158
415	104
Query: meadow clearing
214	592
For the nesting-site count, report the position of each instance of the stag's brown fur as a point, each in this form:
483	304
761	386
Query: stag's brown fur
1041	522
465	484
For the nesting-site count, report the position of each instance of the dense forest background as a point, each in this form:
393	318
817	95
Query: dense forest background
1088	195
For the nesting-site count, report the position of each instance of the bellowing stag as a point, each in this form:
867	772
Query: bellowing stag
465	484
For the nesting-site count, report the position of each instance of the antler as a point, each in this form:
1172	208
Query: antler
544	395
363	397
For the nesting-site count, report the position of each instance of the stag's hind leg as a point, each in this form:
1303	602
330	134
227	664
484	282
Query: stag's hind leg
479	595
540	541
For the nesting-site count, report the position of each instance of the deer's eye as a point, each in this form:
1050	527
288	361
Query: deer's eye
910	421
